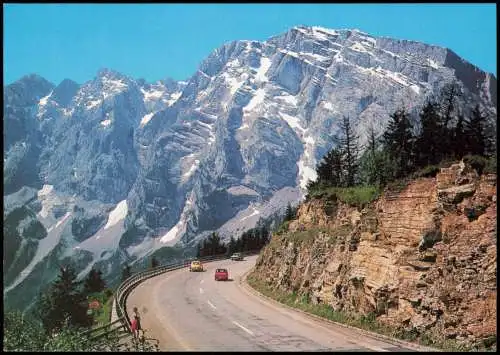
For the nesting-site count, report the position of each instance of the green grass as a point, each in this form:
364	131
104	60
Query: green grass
103	314
367	322
357	196
283	228
305	236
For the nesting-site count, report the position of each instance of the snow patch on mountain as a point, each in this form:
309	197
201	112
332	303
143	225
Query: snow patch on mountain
254	213
325	30
191	170
432	63
307	163
293	122
265	64
143	249
48	199
415	88
112	87
147	118
242	190
118	214
173	98
234	83
107	238
46	189
154	94
287	98
176	232
256	101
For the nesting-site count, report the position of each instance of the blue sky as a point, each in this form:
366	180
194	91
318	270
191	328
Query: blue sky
155	41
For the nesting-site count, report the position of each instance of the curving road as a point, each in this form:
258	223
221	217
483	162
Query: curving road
190	311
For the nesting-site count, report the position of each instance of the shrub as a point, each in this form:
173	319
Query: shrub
491	165
428	171
477	162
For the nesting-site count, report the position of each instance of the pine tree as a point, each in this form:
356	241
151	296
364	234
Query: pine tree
94	282
64	304
449	94
289	213
369	164
398	141
350	149
475	133
198	250
428	142
154	263
459	138
231	246
330	169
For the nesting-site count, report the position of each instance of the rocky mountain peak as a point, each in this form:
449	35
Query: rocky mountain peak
64	92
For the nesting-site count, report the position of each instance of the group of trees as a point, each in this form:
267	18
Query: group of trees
62	309
252	239
441	132
66	301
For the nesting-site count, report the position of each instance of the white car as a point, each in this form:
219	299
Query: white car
236	256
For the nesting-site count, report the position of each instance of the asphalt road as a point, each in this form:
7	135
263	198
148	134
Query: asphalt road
190	311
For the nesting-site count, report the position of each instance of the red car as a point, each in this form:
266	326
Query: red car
221	275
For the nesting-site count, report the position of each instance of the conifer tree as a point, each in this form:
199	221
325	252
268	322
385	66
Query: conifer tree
154	262
350	149
330	169
459	138
231	246
126	272
447	112
428	141
398	141
94	282
474	131
64	304
370	163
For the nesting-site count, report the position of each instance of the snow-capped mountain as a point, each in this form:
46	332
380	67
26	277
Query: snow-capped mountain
117	168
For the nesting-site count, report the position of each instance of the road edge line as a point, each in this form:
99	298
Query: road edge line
244	284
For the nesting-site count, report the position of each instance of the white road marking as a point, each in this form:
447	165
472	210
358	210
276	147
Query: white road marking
375	348
242	327
211	304
201	290
202	281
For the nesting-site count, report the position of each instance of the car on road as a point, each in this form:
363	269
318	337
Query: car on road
237	256
221	275
196	265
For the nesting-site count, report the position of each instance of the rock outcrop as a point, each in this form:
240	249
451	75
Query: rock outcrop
422	259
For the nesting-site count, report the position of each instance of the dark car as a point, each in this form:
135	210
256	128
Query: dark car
221	275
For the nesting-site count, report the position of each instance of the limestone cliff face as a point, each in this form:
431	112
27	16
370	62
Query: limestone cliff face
422	259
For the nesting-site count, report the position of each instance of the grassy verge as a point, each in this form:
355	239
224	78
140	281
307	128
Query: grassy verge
358	196
367	322
102	315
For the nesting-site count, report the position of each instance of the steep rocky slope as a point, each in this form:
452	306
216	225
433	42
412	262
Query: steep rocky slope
422	259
